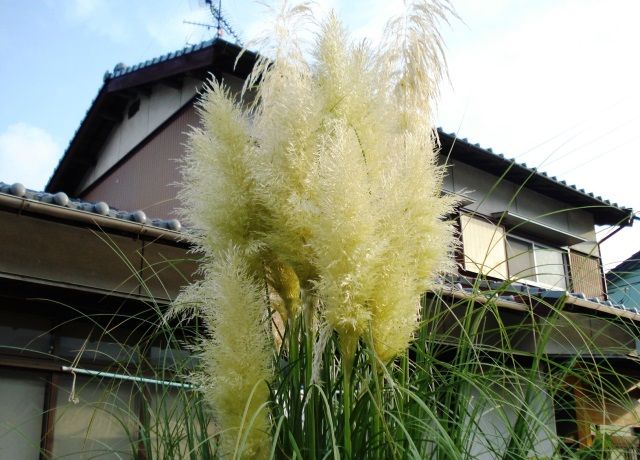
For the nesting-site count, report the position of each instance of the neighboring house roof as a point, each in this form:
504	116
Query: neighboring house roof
59	205
217	56
629	265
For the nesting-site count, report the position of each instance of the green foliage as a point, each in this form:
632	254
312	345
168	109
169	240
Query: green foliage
599	450
473	384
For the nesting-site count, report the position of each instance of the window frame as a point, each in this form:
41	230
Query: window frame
502	237
535	244
52	367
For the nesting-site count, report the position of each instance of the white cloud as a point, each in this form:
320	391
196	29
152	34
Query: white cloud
102	17
555	85
169	30
28	154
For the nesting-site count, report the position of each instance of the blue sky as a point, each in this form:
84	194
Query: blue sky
552	83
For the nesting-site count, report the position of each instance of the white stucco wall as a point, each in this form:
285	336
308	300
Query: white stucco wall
155	108
494	195
495	420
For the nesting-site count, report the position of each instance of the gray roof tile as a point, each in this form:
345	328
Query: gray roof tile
520	292
123	70
101	208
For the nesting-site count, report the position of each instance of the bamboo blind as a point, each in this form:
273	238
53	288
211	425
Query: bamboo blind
484	247
586	276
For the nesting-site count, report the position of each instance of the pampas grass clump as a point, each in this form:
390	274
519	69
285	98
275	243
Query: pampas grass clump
316	192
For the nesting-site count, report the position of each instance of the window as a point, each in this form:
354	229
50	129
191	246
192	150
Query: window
586	274
133	108
134	405
533	262
101	421
489	251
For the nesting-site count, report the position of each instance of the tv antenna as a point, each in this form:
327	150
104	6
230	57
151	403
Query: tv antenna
222	26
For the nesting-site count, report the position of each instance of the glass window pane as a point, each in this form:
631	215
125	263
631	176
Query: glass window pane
99	350
550	266
101	425
22	402
22	334
520	260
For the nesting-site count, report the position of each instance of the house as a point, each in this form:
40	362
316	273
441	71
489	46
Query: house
623	282
82	275
80	284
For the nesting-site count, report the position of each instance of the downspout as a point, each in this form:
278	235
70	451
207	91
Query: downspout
632	216
626	224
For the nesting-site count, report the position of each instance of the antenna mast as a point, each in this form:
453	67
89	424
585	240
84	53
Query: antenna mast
217	16
222	25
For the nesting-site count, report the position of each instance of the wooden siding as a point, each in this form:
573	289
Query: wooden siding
586	276
145	179
47	252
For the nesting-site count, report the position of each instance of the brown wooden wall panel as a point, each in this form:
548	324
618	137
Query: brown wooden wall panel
55	254
145	179
586	276
43	250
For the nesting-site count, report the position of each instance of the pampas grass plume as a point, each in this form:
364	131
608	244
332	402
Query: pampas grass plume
237	355
324	185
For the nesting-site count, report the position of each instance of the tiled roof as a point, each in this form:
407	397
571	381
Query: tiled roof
534	170
122	69
75	133
196	60
512	294
523	294
606	212
626	266
99	208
